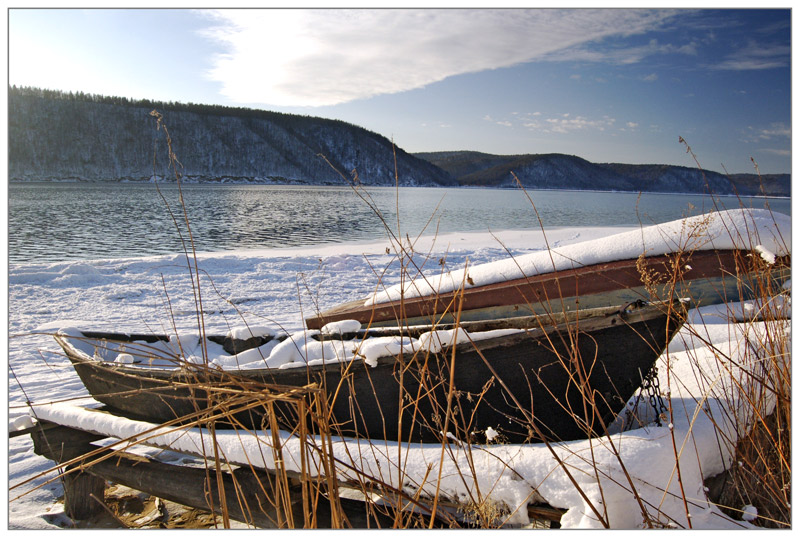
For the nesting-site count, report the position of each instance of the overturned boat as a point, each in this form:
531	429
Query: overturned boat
713	258
522	379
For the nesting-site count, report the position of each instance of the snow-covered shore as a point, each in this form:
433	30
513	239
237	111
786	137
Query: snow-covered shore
277	288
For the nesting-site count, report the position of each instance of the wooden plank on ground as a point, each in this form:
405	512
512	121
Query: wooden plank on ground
246	500
246	491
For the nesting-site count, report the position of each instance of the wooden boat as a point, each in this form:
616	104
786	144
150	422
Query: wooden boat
706	277
526	378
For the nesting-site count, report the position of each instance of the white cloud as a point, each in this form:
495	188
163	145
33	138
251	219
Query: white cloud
504	123
618	55
436	124
779	152
327	57
755	56
776	130
566	124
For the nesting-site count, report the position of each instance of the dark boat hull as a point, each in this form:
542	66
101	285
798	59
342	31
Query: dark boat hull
553	382
705	277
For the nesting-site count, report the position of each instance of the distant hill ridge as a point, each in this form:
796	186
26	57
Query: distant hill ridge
57	135
559	171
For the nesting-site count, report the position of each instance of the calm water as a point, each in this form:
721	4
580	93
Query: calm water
65	221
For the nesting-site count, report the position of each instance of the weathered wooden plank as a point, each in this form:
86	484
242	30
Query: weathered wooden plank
245	489
246	492
83	494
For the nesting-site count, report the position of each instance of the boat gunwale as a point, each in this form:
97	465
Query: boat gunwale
586	320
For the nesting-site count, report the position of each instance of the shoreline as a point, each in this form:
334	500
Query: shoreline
241	182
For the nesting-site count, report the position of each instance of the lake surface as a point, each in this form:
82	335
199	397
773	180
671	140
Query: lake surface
67	221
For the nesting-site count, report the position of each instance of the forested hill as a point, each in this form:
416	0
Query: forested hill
54	135
558	171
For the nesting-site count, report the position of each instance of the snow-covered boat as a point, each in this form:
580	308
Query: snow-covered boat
709	259
524	378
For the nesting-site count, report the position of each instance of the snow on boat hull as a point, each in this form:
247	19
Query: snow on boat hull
522	385
706	277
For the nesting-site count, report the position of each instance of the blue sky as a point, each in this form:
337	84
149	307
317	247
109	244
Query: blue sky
608	85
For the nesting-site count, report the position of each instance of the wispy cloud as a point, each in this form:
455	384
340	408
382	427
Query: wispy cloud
779	152
566	123
776	130
504	123
436	124
621	55
756	56
328	57
773	132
